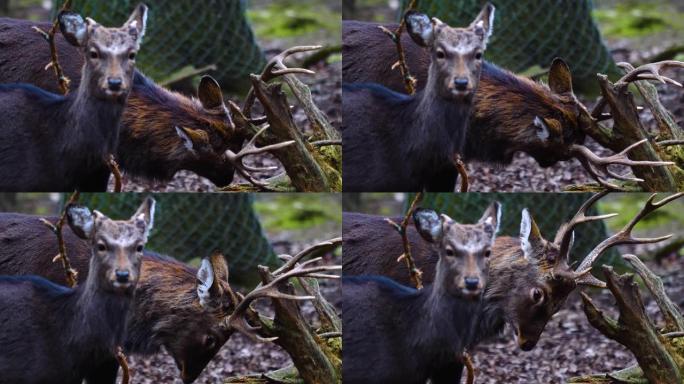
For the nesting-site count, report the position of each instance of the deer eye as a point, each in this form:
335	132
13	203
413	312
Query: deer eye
94	55
450	252
209	341
139	248
131	56
101	247
537	295
488	253
440	54
478	56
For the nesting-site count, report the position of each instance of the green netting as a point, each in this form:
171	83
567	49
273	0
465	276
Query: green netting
184	33
548	211
189	226
534	32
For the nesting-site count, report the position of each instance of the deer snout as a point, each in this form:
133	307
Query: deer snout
122	276
461	83
472	283
114	83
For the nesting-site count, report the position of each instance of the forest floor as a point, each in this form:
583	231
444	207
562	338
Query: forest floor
240	355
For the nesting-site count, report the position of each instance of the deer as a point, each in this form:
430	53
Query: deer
175	306
529	277
55	334
50	142
395	142
162	132
396	334
509	114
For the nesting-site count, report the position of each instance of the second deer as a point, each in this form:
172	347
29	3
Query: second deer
394	142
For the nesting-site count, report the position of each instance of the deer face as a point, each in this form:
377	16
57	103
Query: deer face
555	124
109	52
116	246
540	286
206	134
464	249
456	53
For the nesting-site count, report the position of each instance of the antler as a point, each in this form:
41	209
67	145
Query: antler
251	149
565	233
275	68
598	166
650	71
270	287
623	236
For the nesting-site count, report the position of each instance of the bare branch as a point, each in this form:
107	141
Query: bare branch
121	358
114	168
70	273
409	81
54	57
461	169
414	272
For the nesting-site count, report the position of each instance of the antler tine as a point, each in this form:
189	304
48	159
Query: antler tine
276	67
649	71
251	149
564	234
237	320
623	236
598	166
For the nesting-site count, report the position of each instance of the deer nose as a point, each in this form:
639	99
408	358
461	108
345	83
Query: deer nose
122	276
471	283
114	83
461	83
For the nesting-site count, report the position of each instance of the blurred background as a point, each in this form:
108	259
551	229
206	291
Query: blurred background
251	229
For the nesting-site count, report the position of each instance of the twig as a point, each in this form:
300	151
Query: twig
414	272
114	168
54	58
673	335
669	143
470	368
121	358
330	335
325	143
460	167
71	274
409	81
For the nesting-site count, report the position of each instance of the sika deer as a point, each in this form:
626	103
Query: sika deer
530	278
150	145
54	334
394	142
396	334
50	142
167	309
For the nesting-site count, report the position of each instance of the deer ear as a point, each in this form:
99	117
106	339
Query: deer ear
530	236
483	24
541	129
137	23
209	93
429	224
192	138
144	216
81	221
73	28
492	217
420	28
560	77
205	280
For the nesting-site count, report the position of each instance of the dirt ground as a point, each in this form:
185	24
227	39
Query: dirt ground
240	355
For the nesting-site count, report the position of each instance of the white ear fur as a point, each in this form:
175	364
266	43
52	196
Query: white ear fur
205	276
543	132
187	141
525	229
